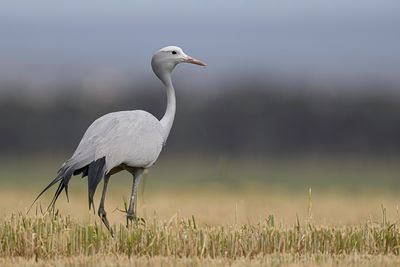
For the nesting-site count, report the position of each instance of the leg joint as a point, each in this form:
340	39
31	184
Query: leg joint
101	212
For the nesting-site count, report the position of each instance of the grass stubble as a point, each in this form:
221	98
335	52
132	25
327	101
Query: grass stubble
53	239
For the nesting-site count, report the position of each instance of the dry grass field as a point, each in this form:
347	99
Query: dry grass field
349	218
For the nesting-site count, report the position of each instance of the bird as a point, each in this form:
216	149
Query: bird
126	140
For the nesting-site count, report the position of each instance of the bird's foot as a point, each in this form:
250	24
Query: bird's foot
132	218
103	216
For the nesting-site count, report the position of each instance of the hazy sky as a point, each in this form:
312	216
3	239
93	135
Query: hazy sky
46	41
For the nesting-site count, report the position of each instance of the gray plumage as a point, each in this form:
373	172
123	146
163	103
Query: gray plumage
125	140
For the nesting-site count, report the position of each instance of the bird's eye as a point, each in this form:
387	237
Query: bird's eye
174	52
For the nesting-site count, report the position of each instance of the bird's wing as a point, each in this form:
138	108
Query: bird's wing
131	137
86	150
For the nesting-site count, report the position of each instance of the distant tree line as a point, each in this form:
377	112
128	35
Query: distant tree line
243	119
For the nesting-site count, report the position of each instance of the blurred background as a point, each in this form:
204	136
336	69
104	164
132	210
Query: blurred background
296	94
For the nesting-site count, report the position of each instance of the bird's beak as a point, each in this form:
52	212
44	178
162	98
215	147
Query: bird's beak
194	61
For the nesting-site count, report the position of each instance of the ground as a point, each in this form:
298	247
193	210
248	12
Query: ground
268	213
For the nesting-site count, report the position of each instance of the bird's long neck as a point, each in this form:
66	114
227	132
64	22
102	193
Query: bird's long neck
168	118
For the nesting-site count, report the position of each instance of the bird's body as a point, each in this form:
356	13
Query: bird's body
125	140
134	138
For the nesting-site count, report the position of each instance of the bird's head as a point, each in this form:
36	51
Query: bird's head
165	60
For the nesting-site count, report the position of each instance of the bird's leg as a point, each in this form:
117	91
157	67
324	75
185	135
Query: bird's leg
102	212
131	213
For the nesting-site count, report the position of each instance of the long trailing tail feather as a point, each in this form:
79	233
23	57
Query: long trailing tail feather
95	172
64	175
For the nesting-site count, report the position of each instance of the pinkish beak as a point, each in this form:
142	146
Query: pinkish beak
195	61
